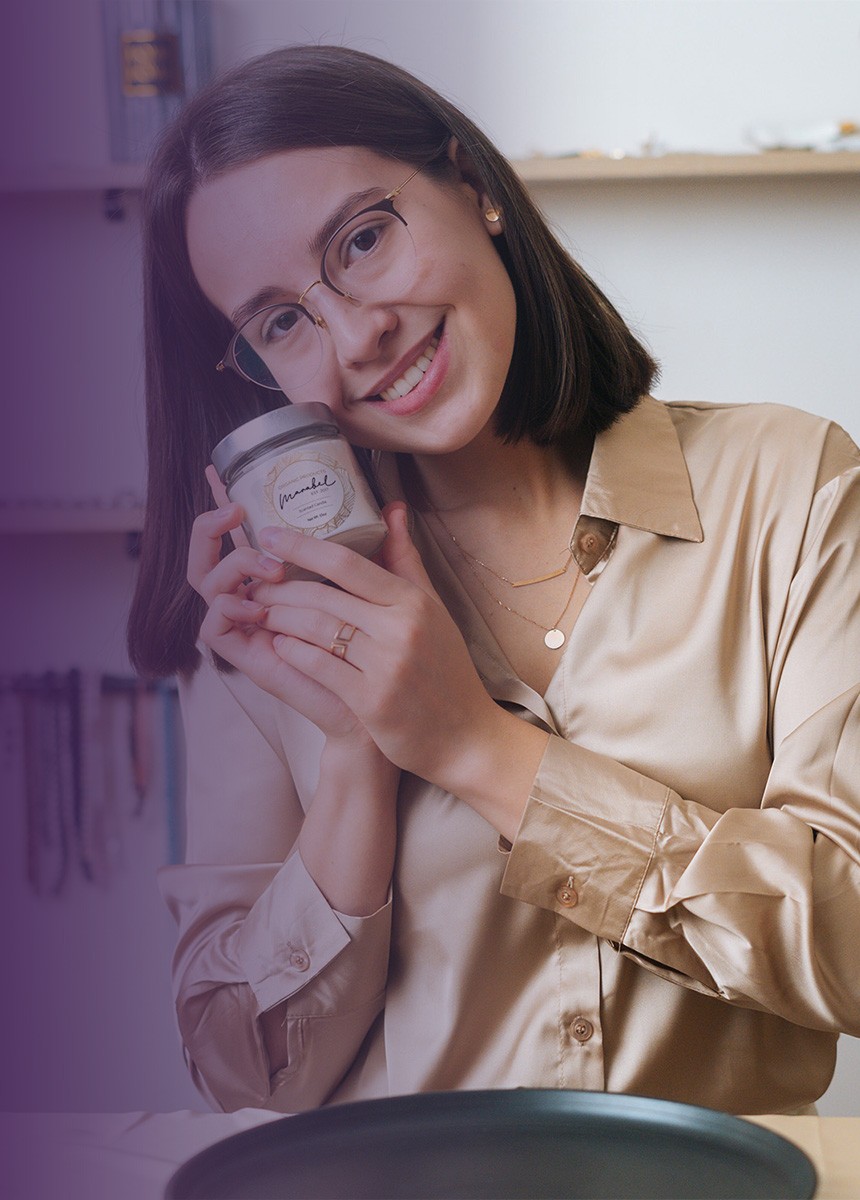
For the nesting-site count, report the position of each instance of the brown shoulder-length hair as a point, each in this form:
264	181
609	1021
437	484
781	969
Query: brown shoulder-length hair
575	365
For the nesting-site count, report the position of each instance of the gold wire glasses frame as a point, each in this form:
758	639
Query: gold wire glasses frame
230	361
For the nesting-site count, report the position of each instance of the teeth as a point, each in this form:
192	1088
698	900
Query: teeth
412	375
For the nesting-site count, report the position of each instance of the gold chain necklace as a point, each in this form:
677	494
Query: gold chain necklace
553	638
473	558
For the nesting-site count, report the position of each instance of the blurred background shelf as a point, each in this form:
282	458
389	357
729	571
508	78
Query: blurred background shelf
572	169
122	176
774	163
31	519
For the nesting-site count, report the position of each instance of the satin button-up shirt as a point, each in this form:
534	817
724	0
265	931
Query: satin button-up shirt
678	914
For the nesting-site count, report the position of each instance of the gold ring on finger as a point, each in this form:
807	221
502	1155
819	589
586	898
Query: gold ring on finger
341	640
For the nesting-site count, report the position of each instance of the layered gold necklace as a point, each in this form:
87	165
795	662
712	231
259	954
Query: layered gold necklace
553	637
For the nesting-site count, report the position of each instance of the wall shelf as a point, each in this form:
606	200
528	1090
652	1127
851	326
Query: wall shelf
538	170
37	518
774	164
119	176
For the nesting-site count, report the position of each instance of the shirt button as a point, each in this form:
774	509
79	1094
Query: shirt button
588	543
566	894
581	1028
300	961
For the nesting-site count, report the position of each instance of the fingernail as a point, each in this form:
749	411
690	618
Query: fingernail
269	564
253	606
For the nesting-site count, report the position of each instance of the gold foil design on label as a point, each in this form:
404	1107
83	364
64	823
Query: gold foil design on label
309	494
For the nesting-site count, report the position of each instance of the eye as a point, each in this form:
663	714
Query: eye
361	239
278	324
365	239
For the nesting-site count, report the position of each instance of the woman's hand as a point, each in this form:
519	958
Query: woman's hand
233	626
347	839
405	688
405	672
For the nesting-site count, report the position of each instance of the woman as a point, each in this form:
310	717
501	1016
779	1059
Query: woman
456	822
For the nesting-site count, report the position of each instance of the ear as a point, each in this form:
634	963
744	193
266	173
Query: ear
491	214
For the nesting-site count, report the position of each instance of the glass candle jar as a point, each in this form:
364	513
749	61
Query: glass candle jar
292	467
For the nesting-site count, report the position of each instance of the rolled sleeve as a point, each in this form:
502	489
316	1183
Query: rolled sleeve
758	907
288	937
586	839
251	937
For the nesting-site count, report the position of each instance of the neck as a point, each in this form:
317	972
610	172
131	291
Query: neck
521	481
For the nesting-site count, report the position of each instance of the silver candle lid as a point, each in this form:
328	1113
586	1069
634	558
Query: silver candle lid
292	419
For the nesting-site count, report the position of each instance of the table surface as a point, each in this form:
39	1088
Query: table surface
108	1156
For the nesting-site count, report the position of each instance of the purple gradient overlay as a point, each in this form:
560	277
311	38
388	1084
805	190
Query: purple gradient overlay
85	1006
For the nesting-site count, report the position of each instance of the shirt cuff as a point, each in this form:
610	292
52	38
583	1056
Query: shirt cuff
586	839
292	933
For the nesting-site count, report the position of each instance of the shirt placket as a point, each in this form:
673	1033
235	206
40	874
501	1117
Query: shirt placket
577	954
580	1030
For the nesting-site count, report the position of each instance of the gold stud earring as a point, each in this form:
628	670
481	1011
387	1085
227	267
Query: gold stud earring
493	215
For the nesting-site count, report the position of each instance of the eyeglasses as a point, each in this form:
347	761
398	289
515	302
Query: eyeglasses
370	258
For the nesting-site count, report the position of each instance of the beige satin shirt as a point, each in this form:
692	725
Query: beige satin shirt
679	914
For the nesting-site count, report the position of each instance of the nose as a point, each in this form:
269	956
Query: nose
358	329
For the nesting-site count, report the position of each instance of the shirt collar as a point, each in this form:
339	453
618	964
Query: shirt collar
637	475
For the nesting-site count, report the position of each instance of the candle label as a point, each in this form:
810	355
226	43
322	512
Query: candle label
312	494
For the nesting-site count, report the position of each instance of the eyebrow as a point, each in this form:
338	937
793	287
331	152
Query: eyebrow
260	299
272	295
346	209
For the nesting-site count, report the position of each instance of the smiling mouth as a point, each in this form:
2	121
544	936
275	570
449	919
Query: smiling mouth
413	375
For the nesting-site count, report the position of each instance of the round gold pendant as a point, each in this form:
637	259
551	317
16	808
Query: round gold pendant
553	639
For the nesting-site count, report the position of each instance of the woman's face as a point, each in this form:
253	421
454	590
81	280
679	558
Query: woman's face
255	227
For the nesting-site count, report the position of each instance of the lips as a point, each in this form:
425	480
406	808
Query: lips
404	375
412	375
400	396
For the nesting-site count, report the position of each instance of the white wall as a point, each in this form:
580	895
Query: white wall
560	75
745	291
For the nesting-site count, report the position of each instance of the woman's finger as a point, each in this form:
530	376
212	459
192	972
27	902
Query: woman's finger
247	614
345	567
300	593
229	573
219	493
321	629
379	582
331	671
204	551
227	612
398	553
224	632
207	572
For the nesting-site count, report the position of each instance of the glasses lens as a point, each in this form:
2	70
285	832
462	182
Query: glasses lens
371	257
279	348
